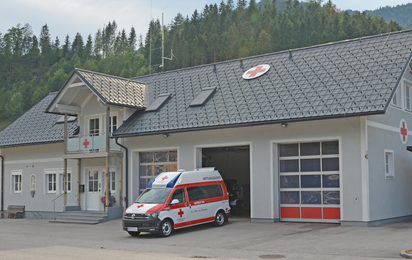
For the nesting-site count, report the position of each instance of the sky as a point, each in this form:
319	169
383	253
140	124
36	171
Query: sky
67	17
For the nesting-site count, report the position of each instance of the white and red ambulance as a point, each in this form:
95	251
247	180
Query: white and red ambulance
176	200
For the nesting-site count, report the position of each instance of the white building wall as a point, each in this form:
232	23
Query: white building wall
35	160
263	142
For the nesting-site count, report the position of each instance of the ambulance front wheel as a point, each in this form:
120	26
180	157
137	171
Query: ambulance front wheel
166	228
133	234
220	218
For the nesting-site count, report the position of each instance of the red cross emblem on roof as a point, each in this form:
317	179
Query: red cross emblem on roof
164	178
86	143
181	212
403	131
141	205
256	71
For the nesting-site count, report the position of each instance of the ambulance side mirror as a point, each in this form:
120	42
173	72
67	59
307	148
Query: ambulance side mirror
175	201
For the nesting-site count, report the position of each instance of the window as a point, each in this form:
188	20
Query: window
16	178
154	163
408	97
94	126
389	165
179	195
158	103
50	182
68	181
204	192
202	97
112	181
113	124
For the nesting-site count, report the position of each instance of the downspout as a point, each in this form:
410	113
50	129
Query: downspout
2	184
126	170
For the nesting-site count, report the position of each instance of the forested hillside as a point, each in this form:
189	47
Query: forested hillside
402	14
31	66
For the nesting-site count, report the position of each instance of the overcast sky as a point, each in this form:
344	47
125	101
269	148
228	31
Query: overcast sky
87	16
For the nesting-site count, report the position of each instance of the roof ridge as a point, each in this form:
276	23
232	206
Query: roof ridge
107	75
278	52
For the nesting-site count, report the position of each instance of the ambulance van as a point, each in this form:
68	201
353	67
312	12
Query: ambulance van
175	200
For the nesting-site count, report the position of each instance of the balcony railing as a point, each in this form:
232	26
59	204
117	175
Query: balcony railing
89	143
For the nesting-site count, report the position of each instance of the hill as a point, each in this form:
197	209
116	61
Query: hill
32	66
402	14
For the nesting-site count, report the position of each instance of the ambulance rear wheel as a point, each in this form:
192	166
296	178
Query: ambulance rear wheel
220	218
166	228
133	234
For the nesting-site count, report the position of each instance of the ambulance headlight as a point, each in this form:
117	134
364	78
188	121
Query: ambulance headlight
152	215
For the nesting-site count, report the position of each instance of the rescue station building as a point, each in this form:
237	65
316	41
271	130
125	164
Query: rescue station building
316	134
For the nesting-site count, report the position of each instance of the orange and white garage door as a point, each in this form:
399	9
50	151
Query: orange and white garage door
309	181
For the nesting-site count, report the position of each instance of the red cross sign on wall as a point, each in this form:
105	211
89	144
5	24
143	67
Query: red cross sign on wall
256	71
181	212
86	143
403	131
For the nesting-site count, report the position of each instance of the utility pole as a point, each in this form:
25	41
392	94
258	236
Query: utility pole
163	44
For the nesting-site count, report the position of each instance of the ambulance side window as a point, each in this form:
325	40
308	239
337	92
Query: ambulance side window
180	195
195	193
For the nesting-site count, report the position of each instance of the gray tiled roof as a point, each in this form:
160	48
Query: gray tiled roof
36	127
349	78
114	90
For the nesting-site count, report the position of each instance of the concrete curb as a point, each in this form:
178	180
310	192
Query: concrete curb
406	255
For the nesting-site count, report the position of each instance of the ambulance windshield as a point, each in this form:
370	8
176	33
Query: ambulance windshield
154	196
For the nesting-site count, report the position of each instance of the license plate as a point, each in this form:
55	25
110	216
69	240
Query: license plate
135	229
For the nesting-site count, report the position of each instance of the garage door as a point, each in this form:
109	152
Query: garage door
309	181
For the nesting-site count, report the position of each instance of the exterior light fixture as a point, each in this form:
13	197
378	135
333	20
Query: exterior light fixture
284	125
165	135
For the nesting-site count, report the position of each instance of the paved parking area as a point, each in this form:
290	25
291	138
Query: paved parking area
39	239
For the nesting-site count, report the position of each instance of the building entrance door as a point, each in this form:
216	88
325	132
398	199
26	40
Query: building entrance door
93	189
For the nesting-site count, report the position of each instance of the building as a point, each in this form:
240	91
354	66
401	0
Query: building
316	134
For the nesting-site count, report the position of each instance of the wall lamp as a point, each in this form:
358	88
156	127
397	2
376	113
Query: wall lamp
165	135
284	125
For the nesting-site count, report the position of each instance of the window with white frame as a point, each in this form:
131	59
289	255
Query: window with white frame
68	181
408	92
16	181
113	124
51	184
112	180
389	165
396	98
94	126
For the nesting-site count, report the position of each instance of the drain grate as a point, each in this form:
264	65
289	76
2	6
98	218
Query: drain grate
272	256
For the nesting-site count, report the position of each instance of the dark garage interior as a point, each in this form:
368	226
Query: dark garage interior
233	163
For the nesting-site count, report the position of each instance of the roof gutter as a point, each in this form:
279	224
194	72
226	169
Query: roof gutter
2	185
126	170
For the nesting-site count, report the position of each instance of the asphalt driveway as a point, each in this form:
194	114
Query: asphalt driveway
39	239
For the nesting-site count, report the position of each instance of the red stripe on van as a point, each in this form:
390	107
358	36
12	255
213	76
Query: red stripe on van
156	208
181	225
201	221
